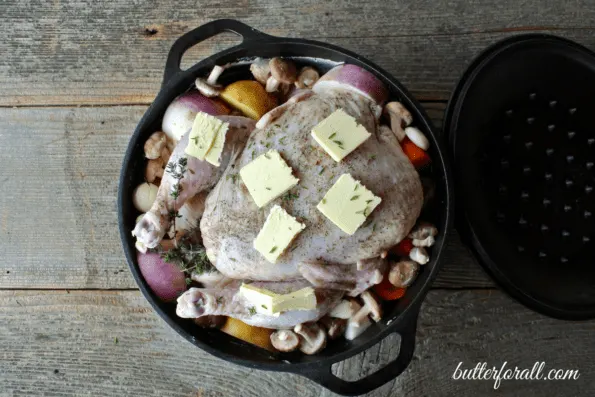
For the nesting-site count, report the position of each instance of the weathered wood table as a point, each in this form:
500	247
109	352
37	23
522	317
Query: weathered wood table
76	76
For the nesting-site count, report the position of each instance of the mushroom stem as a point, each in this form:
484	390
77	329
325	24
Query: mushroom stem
215	73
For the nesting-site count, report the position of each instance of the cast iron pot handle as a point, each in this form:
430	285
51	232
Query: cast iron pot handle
208	30
325	377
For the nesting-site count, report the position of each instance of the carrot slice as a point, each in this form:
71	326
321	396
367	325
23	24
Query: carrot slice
418	157
403	248
387	291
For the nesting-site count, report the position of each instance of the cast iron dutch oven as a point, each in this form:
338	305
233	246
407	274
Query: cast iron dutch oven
400	318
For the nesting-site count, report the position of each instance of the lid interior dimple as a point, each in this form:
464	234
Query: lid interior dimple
524	146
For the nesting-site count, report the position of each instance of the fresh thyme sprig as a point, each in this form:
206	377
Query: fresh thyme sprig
177	171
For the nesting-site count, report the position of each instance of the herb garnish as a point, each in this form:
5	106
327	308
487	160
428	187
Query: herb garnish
273	249
340	144
282	140
323	201
354	198
368	201
267	188
321	171
233	177
373	157
220	300
264	306
188	257
252	310
115	340
332	135
177	171
290	196
355	188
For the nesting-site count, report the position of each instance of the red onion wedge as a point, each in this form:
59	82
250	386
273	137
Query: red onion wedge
180	114
355	78
165	279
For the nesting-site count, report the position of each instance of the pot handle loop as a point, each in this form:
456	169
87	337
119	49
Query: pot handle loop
206	31
325	377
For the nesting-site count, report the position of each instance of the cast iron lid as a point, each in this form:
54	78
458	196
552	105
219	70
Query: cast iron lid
521	126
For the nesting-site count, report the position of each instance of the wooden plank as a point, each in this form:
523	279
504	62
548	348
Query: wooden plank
58	220
73	52
64	344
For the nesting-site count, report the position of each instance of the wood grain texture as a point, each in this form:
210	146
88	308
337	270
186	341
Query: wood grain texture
88	52
64	344
58	220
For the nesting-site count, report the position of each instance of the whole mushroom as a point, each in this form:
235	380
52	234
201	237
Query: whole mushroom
403	273
307	77
313	337
345	309
260	70
356	325
399	118
419	255
154	145
282	72
285	340
335	327
371	307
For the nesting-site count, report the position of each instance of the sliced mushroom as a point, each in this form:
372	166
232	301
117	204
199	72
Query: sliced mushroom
335	327
419	255
356	326
282	72
210	321
285	340
260	70
403	273
371	307
307	77
399	118
207	89
422	231
312	337
154	145
345	309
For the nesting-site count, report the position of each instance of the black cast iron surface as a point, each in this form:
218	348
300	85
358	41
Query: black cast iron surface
521	128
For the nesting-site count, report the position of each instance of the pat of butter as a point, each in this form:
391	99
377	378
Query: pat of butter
202	136
270	303
348	203
339	134
267	177
277	233
214	154
262	299
304	299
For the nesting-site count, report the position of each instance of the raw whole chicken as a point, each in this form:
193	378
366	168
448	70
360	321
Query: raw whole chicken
322	256
231	220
